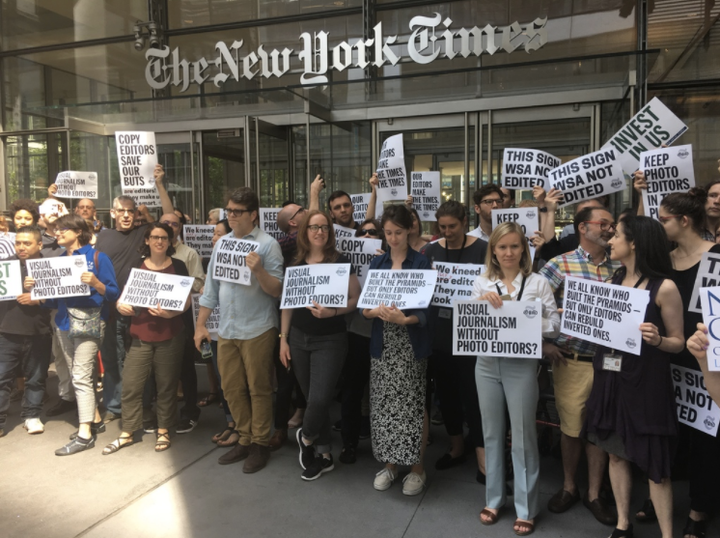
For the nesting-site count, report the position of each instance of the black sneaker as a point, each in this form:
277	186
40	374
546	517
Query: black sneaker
307	452
348	454
186	425
318	467
95	428
76	445
63	406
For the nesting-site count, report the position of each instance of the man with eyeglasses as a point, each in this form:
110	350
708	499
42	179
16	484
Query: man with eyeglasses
248	332
289	220
572	363
486	198
86	209
121	244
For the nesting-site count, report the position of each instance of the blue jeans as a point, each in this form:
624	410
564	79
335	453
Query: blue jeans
113	358
32	355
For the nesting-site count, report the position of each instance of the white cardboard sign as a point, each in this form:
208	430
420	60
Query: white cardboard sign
405	288
708	276
425	190
342	231
325	283
710	298
695	407
592	175
667	170
392	178
199	238
7	245
58	277
513	330
213	322
11	284
137	157
524	169
527	217
268	221
147	289
71	184
360	203
360	252
454	282
605	314
229	260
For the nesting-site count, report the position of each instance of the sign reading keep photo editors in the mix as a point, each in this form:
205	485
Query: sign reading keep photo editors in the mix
58	277
72	184
148	289
667	170
527	217
229	263
406	288
323	283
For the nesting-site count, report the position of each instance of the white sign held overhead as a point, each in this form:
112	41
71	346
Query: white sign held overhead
360	252
148	289
708	276
592	175
360	203
213	322
454	282
324	283
527	217
11	284
650	128
229	260
268	221
392	179
695	407
199	237
710	299
667	170
524	169
425	190
72	184
137	157
58	277
406	288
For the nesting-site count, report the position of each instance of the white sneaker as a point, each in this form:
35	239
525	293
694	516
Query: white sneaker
384	479
413	484
34	425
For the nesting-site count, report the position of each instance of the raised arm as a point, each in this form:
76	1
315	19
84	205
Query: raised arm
159	175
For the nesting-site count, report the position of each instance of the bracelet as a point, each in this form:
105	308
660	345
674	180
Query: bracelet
335	315
543	209
660	342
282	335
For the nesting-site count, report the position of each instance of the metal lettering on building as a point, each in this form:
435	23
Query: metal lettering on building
430	39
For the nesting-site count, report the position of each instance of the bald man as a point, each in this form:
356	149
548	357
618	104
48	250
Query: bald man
86	209
289	219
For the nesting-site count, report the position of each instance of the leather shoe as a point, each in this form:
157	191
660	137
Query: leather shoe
259	456
447	461
601	511
62	406
562	501
278	440
238	453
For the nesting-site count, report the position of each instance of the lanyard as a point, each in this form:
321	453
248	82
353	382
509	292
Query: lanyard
520	294
447	251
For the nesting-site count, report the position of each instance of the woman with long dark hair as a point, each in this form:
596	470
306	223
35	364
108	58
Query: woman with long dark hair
631	412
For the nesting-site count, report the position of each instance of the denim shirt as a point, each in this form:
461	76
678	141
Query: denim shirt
420	335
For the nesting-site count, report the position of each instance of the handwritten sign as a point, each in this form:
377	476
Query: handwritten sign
708	276
392	178
72	184
199	238
695	408
595	174
147	289
650	128
360	252
11	285
360	203
425	190
58	277
710	299
324	283
213	322
454	282
527	217
406	288
605	314
229	260
513	330
526	168
137	157
268	221
667	170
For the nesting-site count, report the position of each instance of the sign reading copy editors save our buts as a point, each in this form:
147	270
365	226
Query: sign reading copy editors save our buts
58	277
229	262
148	289
137	157
323	283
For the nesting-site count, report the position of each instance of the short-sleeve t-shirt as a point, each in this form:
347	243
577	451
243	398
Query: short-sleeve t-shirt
122	249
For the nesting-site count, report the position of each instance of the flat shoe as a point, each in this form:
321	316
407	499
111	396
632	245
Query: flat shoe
492	517
562	501
117	444
601	511
447	461
162	442
522	523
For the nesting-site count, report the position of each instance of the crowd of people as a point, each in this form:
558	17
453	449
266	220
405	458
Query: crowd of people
268	363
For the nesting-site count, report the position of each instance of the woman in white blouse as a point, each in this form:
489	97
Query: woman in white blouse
511	381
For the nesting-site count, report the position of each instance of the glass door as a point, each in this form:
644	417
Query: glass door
223	165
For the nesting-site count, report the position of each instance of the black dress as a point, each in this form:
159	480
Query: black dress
636	406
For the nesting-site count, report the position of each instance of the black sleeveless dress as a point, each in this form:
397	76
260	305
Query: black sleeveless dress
636	405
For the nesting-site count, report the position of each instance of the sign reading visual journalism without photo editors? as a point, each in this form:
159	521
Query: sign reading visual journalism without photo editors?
605	314
199	238
694	405
324	283
72	184
406	288
513	330
524	169
268	221
148	289
454	282
592	175
527	217
425	190
360	252
213	322
11	285
392	178
137	157
58	277
708	276
229	260
710	299
667	170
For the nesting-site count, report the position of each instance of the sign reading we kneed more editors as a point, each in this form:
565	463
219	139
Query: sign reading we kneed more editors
58	277
454	282
406	288
524	169
695	407
137	158
592	175
11	285
72	184
323	283
513	330
199	238
229	260
149	289
605	314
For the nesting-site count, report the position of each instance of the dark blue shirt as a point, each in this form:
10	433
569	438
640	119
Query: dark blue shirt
420	336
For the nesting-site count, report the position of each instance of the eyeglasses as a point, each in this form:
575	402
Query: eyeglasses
235	212
604	226
314	228
161	238
297	212
669	217
491	201
173	224
63	230
124	211
367	231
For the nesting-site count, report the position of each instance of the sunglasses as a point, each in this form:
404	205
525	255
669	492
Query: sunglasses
367	231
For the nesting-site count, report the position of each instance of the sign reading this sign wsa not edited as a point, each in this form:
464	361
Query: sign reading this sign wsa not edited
524	169
667	170
137	157
148	289
229	260
425	190
58	277
406	288
71	184
695	407
710	299
323	283
527	217
592	175
11	285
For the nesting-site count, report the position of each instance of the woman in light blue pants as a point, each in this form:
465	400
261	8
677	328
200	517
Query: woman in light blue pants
512	381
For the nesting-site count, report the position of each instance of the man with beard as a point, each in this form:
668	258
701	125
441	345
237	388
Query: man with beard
339	203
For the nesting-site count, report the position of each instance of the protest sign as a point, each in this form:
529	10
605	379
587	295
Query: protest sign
268	221
710	299
406	288
667	170
229	261
213	322
360	203
425	190
527	217
360	252
605	314
148	289
7	245
526	168
708	276
199	238
513	330
695	408
11	284
392	179
72	184
137	157
342	231
454	282
592	175
58	277
650	128
324	283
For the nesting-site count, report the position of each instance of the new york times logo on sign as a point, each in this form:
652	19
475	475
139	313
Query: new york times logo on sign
530	312
709	423
78	262
683	153
630	342
185	283
341	271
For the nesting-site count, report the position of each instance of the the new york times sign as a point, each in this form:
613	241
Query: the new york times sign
431	38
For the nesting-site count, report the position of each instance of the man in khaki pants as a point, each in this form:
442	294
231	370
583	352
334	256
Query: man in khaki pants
247	333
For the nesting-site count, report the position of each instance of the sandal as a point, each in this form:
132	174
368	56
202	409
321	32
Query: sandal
695	528
646	514
223	435
618	533
160	444
529	526
230	440
207	400
117	444
491	516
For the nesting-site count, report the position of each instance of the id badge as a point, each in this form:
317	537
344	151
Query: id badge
506	297
612	363
445	313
